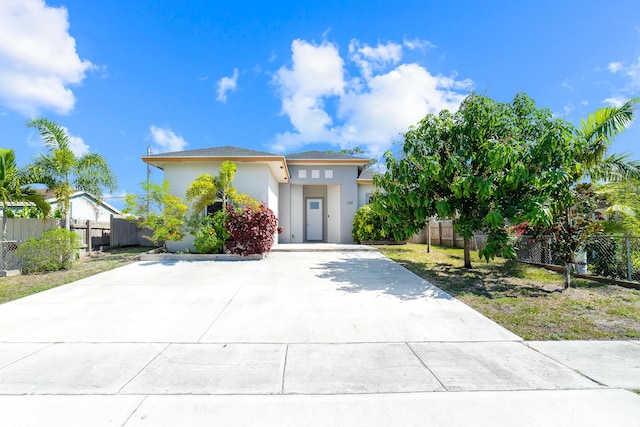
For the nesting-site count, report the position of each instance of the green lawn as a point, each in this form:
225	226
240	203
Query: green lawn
527	300
15	287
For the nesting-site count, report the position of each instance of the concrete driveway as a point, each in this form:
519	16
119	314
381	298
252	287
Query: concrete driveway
312	338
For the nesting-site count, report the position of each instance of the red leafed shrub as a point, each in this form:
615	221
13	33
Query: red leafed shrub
251	231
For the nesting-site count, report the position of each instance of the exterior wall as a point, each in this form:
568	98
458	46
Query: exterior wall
343	176
297	214
255	180
83	207
284	211
363	191
333	213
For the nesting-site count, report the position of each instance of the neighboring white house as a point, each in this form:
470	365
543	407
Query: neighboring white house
314	194
83	206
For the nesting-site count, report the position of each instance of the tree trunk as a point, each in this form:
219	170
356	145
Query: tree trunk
467	252
567	275
67	211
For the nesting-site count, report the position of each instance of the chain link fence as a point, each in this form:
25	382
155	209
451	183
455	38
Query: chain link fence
609	256
8	258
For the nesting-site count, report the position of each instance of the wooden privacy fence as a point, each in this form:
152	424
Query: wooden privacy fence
128	233
442	234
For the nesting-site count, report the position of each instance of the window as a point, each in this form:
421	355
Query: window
302	173
212	209
315	173
314	205
328	173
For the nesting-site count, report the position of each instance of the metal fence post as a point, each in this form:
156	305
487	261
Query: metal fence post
629	266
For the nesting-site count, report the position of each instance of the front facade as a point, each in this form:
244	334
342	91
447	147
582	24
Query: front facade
314	194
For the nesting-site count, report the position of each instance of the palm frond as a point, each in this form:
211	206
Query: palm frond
54	136
614	168
598	130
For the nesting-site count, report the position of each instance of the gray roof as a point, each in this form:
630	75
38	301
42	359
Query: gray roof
322	155
226	151
367	173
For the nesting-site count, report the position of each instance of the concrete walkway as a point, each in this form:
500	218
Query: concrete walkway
299	338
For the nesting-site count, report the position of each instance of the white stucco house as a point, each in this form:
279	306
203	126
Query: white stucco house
82	206
314	194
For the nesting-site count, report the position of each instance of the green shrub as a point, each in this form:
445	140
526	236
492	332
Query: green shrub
55	250
368	224
210	233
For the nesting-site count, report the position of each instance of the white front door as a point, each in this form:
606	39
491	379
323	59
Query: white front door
314	219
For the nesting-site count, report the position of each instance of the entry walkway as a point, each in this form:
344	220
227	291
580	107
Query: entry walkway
299	338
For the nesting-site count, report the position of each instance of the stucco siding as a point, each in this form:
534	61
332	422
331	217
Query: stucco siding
364	190
255	180
297	214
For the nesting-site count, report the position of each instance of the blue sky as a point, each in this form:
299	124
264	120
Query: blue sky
293	76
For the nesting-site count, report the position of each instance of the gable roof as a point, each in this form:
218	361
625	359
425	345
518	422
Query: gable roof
276	162
366	176
320	157
225	151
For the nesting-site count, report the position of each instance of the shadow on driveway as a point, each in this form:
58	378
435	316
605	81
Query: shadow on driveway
381	275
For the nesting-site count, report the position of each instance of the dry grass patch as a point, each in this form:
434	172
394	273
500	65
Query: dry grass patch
525	299
15	287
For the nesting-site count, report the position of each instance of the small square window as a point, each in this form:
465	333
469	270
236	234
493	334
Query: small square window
315	173
302	173
328	173
314	205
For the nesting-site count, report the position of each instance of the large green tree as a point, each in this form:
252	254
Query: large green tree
14	187
484	165
63	172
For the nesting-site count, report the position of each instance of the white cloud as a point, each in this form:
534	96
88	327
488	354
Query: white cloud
616	101
630	72
370	59
372	109
416	43
77	145
227	84
568	109
38	58
567	85
166	140
614	67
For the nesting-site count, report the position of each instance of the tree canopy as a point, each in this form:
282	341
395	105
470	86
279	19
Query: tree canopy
487	163
492	163
64	172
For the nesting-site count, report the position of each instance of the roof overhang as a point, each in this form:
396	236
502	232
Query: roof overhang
277	164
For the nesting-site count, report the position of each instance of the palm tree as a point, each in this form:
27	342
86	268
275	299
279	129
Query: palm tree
13	189
592	141
590	144
63	172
